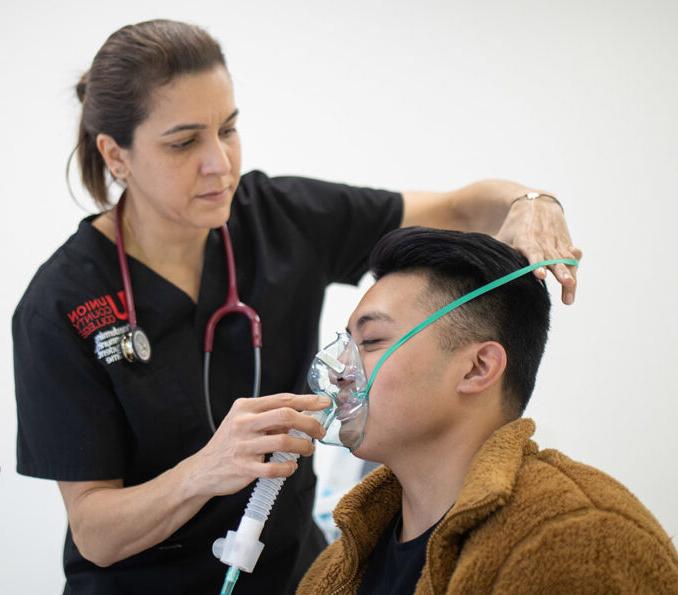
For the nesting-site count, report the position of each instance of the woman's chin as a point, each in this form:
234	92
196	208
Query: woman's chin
212	216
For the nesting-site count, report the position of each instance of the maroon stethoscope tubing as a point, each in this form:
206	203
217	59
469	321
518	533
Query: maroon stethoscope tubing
232	305
124	269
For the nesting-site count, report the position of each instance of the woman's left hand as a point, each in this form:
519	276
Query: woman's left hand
537	229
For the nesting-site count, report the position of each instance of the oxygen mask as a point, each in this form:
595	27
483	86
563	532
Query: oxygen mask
337	372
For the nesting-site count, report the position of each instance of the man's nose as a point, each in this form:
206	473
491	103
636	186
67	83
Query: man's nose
343	382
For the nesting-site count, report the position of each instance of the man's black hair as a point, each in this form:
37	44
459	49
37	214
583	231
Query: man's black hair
515	315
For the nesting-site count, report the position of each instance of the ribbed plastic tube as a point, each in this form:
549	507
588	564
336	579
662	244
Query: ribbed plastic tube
240	549
267	488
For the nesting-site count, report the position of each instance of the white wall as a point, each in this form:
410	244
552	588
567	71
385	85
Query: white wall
577	97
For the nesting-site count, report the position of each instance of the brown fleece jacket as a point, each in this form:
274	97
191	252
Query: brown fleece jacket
525	521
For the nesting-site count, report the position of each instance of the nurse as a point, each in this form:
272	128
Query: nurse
147	485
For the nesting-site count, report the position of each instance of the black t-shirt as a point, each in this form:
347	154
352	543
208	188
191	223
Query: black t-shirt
394	568
85	414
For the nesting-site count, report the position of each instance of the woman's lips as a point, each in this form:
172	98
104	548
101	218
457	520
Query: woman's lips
347	407
215	196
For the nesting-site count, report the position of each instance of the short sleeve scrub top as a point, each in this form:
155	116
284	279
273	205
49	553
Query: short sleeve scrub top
85	413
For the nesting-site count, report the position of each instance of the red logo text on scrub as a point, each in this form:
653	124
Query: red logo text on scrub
98	313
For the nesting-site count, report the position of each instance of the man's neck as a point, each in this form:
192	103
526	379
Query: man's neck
432	476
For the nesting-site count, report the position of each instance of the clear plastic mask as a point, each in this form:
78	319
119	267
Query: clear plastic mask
337	372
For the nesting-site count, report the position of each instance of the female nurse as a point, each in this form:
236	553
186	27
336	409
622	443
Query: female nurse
147	484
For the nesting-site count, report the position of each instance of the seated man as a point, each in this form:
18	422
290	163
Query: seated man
466	502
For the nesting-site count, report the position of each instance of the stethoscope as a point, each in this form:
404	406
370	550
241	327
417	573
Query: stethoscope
135	345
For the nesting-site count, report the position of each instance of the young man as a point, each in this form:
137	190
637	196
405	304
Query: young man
466	502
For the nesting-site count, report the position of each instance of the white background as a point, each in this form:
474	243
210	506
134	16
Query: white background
577	97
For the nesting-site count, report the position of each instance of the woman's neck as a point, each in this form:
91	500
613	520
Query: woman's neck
172	250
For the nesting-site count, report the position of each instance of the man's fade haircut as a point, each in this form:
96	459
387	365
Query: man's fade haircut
515	315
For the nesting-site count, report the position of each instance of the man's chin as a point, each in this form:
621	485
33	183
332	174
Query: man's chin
363	450
350	436
369	451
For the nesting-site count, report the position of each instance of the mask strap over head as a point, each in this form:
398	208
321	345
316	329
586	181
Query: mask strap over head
459	302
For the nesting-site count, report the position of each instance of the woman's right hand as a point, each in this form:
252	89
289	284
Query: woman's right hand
254	427
111	522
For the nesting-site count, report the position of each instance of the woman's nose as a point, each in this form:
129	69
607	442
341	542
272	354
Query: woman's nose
216	160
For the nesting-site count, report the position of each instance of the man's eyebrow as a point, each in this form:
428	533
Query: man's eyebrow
370	317
183	127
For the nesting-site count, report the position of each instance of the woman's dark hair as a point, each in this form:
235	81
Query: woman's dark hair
516	315
115	92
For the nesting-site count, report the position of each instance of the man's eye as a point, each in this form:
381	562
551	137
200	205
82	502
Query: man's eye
184	144
368	342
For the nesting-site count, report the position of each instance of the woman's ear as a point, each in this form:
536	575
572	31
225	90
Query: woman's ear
113	155
486	365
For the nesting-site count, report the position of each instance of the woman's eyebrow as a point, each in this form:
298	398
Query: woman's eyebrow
183	127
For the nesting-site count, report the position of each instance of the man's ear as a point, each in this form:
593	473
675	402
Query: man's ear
486	363
113	155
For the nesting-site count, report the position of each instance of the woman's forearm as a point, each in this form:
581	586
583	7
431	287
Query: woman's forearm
485	204
110	523
481	206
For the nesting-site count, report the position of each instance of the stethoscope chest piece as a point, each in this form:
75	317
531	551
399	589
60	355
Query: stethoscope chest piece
135	346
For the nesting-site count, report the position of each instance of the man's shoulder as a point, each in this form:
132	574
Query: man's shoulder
576	484
571	528
558	499
550	485
566	527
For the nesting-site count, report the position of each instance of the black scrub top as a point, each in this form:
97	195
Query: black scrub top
84	413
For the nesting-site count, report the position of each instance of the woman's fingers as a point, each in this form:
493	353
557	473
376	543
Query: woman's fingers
538	230
274	469
255	427
566	275
567	280
289	400
287	418
279	443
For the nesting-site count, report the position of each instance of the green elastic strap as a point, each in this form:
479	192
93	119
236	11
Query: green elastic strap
459	302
